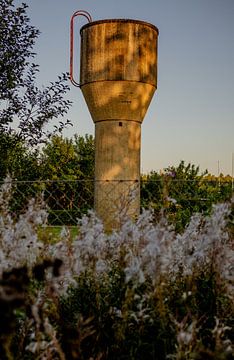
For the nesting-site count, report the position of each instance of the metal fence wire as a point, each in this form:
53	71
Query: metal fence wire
69	200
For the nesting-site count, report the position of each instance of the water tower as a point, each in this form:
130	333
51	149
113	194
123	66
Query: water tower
118	77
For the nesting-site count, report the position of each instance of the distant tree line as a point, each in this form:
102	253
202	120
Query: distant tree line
68	165
58	159
179	192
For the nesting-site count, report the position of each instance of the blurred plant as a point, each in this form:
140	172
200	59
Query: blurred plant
143	291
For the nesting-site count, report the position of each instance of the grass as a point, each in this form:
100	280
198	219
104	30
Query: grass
52	234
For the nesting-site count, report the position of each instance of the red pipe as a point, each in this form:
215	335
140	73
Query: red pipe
89	18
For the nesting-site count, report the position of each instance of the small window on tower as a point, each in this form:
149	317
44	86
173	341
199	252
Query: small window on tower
120	123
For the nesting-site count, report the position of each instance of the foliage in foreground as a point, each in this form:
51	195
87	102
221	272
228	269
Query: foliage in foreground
143	292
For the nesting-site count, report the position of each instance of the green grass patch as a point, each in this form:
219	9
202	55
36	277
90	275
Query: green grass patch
52	234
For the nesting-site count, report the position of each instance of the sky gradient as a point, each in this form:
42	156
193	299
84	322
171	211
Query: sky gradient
191	116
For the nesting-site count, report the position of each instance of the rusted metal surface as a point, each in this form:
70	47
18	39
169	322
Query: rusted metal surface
119	50
118	73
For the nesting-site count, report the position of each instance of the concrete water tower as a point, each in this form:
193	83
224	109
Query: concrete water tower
118	77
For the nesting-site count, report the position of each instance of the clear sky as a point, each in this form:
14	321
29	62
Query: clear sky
191	117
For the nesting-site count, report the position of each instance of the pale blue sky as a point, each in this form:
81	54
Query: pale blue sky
191	117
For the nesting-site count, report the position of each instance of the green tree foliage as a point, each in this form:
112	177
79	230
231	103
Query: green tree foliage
68	164
26	110
183	196
17	41
181	191
84	149
68	159
63	169
58	160
17	159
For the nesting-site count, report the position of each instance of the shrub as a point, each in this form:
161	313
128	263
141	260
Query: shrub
143	291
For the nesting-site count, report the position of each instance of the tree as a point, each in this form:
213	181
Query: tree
63	169
183	196
85	153
68	164
17	159
181	191
21	101
68	159
152	191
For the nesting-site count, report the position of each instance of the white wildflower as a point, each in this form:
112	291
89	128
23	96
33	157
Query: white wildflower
133	269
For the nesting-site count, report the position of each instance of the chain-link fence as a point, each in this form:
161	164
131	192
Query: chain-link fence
68	200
